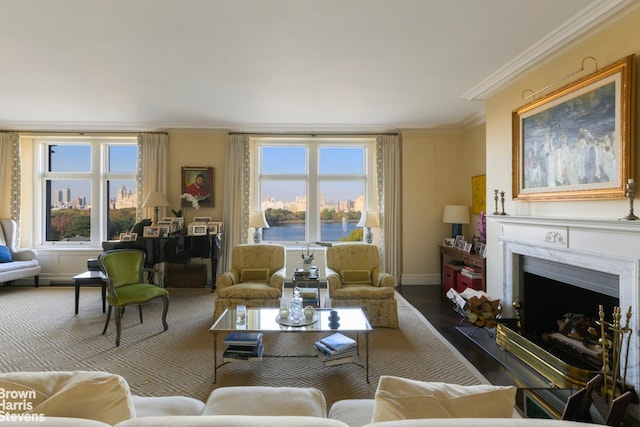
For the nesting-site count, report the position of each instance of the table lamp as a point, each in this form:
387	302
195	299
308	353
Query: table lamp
456	215
155	200
367	220
258	221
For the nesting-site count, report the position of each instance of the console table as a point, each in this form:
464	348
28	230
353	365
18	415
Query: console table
468	258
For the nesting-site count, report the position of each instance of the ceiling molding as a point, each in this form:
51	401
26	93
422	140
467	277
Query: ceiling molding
597	12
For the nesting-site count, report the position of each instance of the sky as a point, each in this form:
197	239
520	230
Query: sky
333	161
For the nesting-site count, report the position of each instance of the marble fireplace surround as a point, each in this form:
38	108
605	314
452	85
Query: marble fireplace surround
610	246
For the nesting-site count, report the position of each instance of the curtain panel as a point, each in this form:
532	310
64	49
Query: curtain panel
10	175
389	186
151	174
235	214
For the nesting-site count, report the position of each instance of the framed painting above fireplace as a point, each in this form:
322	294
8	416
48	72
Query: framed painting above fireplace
577	142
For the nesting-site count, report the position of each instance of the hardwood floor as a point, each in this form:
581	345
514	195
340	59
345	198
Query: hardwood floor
438	310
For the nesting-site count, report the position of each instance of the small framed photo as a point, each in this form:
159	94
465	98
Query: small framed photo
459	238
212	227
164	230
151	231
204	219
167	218
177	223
125	237
197	229
134	236
467	247
449	242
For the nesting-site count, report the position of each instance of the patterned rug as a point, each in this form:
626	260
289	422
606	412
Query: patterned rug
39	331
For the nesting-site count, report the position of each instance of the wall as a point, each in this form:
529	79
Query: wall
437	167
608	43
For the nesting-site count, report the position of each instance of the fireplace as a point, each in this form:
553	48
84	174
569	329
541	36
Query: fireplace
599	260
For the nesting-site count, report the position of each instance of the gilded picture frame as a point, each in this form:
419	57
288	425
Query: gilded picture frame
478	194
577	142
198	181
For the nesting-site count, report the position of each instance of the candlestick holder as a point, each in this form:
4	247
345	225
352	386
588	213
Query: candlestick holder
630	187
496	199
502	202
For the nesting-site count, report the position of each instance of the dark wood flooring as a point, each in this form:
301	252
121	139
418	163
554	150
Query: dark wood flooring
439	311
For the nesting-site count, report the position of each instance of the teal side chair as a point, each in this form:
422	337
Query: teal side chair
126	286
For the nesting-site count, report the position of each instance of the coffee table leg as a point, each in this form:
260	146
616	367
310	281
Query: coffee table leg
77	295
366	354
215	357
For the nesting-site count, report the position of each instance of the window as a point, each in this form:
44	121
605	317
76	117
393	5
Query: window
87	189
312	190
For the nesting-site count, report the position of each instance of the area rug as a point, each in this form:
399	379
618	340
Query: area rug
39	331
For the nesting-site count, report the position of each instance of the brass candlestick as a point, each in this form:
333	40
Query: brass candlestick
502	202
496	199
630	186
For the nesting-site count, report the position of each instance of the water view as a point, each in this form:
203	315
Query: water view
329	232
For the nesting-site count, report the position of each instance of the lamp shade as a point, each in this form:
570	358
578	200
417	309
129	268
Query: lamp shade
456	214
369	219
155	199
258	220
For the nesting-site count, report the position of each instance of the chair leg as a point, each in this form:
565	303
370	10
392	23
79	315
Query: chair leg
165	300
106	324
118	319
140	310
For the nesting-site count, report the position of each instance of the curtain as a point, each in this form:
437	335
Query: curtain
10	176
389	187
153	151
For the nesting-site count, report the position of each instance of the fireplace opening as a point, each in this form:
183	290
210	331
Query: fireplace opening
549	291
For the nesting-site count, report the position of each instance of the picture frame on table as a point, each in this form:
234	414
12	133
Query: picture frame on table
577	142
125	237
151	231
197	229
205	219
449	242
466	247
164	229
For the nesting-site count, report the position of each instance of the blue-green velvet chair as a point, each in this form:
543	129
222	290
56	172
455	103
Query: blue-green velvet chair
126	286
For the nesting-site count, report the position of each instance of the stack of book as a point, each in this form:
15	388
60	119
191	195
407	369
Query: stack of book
336	349
471	271
310	296
243	346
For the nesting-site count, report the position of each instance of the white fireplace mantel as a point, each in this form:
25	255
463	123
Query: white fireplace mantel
611	246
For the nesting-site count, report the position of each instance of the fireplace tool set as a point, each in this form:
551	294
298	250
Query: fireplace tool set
608	391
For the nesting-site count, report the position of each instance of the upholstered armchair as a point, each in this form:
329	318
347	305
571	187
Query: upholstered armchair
256	278
356	279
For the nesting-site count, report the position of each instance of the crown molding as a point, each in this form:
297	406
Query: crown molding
597	12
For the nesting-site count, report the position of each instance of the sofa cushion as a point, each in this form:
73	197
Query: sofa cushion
263	400
356	276
255	275
232	421
354	412
151	406
5	254
400	398
96	396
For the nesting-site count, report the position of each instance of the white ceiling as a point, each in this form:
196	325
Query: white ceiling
250	65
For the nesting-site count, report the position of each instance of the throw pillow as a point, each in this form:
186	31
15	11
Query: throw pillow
356	276
400	399
93	395
5	254
254	275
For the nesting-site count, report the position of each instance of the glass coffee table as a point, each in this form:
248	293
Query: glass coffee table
352	320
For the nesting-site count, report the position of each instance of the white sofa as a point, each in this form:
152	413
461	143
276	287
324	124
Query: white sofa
24	263
89	398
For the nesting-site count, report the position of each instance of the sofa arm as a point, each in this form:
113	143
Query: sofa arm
228	278
334	281
277	279
382	279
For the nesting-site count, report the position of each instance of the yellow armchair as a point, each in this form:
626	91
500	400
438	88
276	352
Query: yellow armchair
256	278
356	279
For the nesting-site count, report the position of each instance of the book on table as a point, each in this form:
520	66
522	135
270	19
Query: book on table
338	342
241	352
243	338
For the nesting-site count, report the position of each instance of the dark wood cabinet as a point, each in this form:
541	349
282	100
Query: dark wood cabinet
454	254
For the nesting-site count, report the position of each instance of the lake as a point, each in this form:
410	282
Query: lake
329	232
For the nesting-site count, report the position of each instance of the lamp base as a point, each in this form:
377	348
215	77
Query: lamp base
456	230
368	235
256	235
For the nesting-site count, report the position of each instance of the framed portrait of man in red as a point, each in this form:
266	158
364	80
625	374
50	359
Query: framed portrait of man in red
198	181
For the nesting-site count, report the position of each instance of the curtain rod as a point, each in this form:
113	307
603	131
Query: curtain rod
80	133
318	134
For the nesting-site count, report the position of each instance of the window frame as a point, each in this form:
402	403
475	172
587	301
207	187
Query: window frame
98	177
313	178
